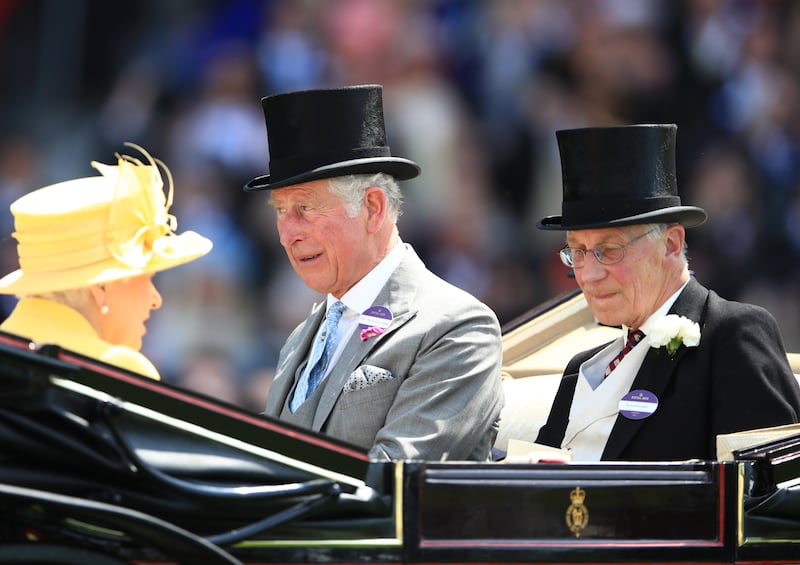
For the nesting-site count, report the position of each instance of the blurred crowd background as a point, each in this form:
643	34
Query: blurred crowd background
473	91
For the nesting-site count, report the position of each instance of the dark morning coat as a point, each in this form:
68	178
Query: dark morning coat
737	378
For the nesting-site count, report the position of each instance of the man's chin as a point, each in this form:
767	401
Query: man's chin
608	318
315	287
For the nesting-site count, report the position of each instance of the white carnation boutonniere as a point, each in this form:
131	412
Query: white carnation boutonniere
672	331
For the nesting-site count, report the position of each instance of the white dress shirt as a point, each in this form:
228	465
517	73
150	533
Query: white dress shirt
595	405
361	297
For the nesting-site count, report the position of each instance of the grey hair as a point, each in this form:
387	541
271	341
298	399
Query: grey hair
79	299
352	188
658	230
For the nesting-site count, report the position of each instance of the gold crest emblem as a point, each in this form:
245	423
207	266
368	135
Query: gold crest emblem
577	513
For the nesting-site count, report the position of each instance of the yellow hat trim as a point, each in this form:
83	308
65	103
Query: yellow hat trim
92	230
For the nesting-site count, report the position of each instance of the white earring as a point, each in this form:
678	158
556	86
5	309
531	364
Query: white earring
104	309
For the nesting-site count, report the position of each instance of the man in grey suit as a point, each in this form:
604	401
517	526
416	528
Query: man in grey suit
396	361
704	366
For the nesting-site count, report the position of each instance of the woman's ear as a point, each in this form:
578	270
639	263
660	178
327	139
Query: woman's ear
98	293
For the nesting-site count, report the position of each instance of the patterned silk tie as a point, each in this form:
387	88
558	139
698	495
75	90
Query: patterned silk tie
634	337
321	351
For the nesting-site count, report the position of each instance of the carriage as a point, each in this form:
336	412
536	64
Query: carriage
101	466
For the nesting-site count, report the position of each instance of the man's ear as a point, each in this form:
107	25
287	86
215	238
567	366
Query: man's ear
375	205
676	236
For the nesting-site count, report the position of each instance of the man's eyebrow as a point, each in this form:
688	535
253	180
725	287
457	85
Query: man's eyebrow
605	239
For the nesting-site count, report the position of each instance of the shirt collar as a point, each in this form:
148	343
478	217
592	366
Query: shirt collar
662	311
362	295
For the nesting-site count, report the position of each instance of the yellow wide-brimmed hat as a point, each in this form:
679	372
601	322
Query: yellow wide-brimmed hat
98	229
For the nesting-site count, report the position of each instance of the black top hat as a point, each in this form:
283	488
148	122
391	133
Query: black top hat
317	134
618	176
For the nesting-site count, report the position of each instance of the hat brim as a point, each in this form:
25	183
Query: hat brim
687	216
183	248
399	168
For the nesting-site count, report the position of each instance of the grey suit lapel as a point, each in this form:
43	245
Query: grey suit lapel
657	369
395	295
297	348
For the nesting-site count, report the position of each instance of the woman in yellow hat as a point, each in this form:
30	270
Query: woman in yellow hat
88	249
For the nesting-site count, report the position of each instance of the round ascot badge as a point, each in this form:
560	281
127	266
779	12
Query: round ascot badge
638	404
375	317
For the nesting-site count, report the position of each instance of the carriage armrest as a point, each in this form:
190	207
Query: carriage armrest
528	401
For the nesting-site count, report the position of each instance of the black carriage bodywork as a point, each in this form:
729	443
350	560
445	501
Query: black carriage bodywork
98	465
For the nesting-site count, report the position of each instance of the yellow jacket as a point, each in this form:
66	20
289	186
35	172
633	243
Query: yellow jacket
44	321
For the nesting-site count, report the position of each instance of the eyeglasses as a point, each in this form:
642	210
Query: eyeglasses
606	254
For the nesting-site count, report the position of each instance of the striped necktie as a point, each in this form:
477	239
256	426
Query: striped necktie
321	352
634	337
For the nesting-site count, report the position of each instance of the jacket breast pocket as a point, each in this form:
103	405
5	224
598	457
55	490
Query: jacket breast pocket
370	388
366	376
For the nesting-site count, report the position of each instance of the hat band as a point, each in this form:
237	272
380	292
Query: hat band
608	209
47	251
41	261
287	167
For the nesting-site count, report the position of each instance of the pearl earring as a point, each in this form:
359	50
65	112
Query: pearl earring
104	309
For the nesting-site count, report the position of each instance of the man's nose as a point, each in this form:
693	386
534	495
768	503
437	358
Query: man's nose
289	230
592	268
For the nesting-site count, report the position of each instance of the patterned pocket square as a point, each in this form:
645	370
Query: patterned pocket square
366	375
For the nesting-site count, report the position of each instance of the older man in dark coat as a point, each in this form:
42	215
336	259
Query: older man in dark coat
688	365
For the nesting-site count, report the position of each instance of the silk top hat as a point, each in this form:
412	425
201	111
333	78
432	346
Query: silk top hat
618	176
98	229
317	134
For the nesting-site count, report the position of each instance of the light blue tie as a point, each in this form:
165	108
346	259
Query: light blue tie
321	351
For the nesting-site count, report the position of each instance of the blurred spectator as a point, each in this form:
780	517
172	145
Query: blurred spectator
210	371
19	174
220	122
288	51
725	185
